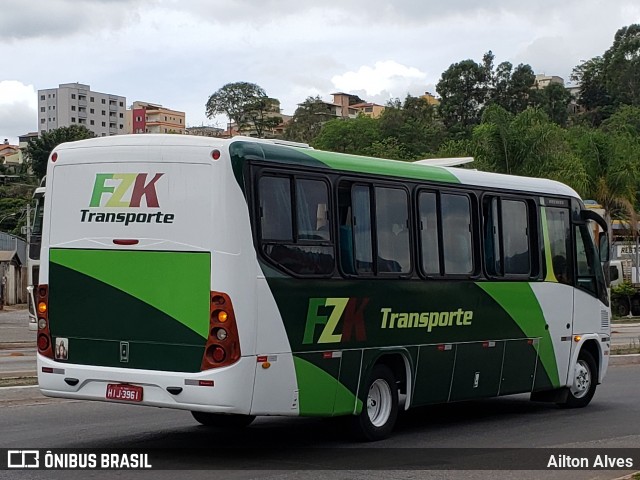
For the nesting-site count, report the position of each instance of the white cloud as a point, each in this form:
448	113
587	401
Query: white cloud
21	19
387	75
18	110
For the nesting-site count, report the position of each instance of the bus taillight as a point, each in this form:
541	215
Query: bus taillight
42	310
223	343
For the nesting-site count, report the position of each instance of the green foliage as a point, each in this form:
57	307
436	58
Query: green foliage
39	149
526	144
307	120
349	135
13	203
413	125
463	93
624	290
622	66
611	80
246	104
554	100
511	89
390	147
625	119
467	88
612	162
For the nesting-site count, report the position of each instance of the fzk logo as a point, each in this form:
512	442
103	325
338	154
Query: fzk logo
125	190
117	194
329	312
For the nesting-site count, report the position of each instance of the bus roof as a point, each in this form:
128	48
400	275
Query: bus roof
296	154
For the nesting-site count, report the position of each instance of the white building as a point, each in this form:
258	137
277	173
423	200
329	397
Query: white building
75	104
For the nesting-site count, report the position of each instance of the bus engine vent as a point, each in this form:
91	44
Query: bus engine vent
604	319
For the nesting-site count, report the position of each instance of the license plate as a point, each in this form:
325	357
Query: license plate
126	393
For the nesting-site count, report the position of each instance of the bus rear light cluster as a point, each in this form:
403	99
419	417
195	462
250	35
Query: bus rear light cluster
223	343
42	310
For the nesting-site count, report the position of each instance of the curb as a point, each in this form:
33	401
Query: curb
631	359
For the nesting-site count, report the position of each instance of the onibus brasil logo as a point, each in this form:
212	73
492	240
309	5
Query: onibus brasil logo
125	190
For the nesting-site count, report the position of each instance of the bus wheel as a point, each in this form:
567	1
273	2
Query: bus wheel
583	386
221	420
380	411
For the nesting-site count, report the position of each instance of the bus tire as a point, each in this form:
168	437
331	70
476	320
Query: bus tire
585	379
221	420
380	410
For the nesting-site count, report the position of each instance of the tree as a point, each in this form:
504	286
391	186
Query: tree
594	96
413	125
308	119
611	80
554	100
622	66
244	103
39	149
349	135
262	116
612	163
526	144
625	119
466	88
388	148
463	93
626	290
512	89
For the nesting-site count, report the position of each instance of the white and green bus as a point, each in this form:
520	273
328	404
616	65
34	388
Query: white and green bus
245	277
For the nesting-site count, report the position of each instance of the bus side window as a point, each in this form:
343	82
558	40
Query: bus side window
392	230
303	247
363	244
559	238
429	243
275	208
506	235
456	232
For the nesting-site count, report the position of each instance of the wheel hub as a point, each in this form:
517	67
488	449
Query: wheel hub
379	402
581	380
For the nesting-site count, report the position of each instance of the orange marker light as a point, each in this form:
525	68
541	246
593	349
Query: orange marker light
577	338
42	307
266	365
222	316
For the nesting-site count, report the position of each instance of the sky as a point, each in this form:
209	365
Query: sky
178	52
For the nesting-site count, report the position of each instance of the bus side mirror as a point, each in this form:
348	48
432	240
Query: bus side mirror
603	246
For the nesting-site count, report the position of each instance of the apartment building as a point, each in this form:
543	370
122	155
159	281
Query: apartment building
345	104
368	109
145	117
76	104
543	81
430	99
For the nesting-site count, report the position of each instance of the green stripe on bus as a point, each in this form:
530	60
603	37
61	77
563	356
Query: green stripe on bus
519	301
176	283
378	166
322	394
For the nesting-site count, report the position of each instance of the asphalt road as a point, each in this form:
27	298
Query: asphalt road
612	420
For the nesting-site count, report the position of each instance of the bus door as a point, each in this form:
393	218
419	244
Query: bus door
591	299
557	301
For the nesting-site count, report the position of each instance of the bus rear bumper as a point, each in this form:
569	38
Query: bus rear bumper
224	390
